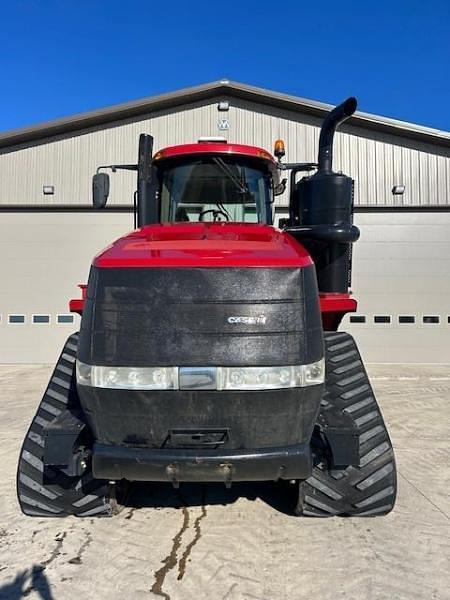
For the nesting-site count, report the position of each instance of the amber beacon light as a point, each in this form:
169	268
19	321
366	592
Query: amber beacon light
279	150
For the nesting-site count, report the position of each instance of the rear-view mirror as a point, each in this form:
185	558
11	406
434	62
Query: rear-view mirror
100	189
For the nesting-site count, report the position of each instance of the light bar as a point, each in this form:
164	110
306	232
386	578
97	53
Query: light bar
270	378
218	378
128	378
212	139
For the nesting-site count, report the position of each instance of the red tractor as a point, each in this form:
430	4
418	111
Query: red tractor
208	349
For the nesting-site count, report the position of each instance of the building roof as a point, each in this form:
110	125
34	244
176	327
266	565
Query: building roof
144	106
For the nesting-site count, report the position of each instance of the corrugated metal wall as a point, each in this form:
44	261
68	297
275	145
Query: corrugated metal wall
376	161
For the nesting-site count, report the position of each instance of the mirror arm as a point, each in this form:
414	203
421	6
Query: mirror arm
114	168
309	166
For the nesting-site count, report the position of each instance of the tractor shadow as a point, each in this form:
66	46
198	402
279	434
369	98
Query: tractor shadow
281	496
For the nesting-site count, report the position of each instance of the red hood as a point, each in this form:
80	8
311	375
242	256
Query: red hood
205	245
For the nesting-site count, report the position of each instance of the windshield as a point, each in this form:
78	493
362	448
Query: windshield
215	188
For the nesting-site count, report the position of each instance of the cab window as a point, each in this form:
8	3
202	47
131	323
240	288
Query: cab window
215	188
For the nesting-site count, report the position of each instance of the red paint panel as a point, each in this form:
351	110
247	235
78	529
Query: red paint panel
337	303
205	245
76	305
334	307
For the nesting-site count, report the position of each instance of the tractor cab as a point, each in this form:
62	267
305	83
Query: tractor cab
211	181
215	181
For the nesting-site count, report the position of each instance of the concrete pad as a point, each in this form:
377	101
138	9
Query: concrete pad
207	542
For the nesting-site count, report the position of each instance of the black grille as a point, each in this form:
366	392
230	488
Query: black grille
180	317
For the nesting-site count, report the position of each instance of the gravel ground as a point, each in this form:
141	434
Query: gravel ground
208	542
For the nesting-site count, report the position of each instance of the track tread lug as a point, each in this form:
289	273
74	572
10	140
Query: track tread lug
370	488
47	491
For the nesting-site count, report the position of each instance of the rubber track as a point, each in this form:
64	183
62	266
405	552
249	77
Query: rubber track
370	488
49	492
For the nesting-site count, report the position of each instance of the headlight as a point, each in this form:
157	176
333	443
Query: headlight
314	373
270	378
128	378
219	378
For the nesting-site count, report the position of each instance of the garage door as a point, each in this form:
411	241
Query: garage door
43	258
401	277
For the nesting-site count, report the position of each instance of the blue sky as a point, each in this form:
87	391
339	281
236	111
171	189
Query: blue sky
59	57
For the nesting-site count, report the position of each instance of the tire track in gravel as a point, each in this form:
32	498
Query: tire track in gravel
59	539
36	573
78	559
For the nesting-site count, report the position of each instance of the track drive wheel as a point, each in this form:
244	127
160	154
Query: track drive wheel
368	489
47	491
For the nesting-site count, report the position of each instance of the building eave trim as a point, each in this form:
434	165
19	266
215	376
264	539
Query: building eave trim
152	104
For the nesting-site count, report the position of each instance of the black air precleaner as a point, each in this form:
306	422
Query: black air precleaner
321	211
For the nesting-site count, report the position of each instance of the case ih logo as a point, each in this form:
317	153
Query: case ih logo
259	320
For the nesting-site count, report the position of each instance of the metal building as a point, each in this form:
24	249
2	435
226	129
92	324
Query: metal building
49	232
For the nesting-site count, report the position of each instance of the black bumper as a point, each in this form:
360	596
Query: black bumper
143	464
254	419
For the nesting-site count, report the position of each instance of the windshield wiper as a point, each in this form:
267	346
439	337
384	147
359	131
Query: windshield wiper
221	207
242	187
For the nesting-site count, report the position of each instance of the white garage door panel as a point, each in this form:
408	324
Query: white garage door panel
387	346
401	266
423	251
44	257
402	269
389	233
35	343
405	304
405	268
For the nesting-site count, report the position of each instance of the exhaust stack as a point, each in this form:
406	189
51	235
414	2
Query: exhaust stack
332	121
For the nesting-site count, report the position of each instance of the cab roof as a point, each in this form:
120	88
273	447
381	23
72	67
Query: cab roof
216	147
